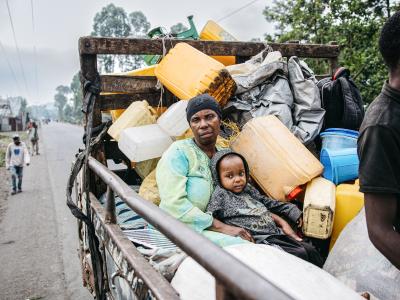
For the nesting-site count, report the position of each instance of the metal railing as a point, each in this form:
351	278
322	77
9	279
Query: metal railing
233	277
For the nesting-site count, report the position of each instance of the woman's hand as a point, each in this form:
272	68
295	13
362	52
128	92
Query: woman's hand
231	230
286	228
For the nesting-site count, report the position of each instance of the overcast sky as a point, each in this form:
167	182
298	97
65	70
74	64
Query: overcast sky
58	25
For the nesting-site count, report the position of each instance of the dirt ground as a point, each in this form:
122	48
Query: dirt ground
4	190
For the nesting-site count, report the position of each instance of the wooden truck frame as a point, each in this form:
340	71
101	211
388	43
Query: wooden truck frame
121	263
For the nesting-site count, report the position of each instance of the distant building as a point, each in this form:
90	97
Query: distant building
10	117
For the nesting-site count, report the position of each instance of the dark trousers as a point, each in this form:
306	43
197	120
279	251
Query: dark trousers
302	249
16	175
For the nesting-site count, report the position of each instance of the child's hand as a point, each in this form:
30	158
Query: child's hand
286	228
290	232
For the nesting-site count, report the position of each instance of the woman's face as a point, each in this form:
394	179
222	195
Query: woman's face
205	125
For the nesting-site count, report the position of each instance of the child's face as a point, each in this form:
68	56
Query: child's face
232	174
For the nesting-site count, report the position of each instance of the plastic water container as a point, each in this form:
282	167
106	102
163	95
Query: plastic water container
340	165
213	32
144	142
188	72
278	161
116	113
173	121
137	114
319	208
349	202
338	138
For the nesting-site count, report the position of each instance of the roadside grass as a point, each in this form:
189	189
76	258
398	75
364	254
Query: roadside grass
5	139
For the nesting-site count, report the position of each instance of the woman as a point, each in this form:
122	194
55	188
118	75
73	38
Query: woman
184	178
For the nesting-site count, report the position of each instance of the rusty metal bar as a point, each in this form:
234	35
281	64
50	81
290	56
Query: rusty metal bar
110	217
112	233
239	279
136	46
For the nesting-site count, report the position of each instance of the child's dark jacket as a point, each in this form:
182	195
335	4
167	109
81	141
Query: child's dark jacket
249	209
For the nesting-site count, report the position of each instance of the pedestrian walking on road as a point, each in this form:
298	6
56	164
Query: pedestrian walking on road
16	156
34	138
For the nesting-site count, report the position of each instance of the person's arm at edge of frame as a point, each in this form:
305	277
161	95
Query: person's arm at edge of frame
380	210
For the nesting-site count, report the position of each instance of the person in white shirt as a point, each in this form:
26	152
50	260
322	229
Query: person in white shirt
16	156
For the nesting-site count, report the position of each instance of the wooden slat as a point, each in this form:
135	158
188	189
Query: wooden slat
122	101
128	84
135	46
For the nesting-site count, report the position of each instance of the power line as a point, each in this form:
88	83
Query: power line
10	66
34	50
16	46
237	10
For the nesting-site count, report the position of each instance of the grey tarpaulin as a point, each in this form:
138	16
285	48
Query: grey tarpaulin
308	115
355	261
263	88
263	91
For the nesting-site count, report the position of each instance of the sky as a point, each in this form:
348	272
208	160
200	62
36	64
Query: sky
57	26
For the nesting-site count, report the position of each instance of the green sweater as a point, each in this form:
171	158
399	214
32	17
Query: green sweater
185	184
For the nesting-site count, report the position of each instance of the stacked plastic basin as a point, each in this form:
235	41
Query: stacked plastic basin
339	154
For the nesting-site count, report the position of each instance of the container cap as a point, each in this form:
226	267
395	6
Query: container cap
293	194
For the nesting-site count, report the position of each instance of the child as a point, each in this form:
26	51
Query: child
236	202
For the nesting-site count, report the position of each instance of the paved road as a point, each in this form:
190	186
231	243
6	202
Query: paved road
38	238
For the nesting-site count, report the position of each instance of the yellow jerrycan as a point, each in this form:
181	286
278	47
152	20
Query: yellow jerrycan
319	208
146	71
213	32
137	114
349	201
278	161
188	72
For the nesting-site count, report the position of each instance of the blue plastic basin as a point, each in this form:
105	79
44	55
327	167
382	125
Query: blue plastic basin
340	164
339	138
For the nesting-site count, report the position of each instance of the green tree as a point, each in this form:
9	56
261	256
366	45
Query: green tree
61	99
354	24
139	23
77	97
68	113
111	21
177	28
139	28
